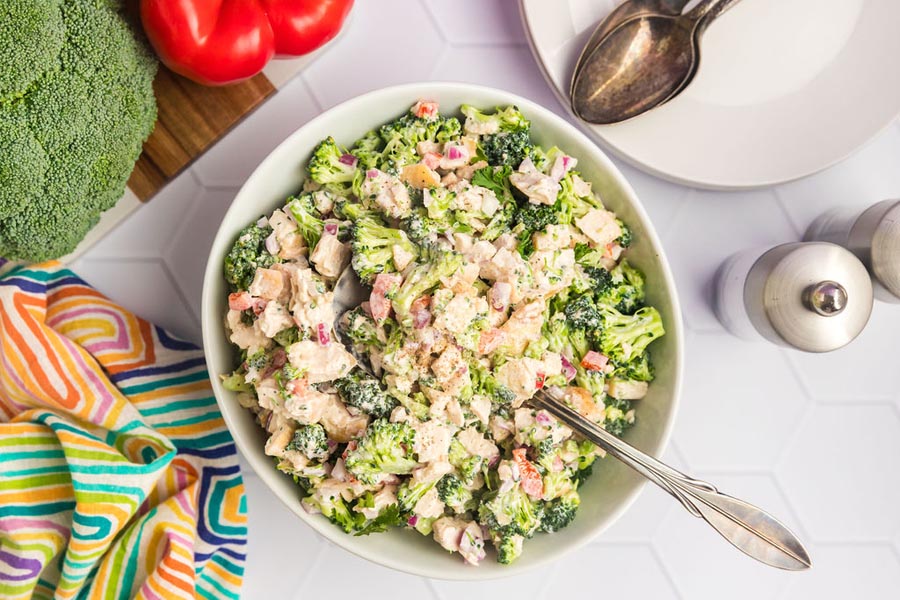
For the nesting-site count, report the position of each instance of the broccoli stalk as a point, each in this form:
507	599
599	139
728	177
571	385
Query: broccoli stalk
424	277
373	248
385	449
309	222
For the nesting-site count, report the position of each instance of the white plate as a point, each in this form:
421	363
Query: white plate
786	88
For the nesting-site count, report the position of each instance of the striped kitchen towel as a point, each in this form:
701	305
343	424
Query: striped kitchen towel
118	478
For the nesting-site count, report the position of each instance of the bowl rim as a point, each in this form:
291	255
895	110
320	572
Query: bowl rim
674	330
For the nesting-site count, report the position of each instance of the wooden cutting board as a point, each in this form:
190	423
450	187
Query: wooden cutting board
192	118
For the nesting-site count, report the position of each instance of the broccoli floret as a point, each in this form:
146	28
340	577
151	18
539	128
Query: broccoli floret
311	441
365	394
566	340
422	229
331	165
581	313
509	548
287	337
507	148
454	494
624	337
246	255
373	248
560	512
638	368
236	381
309	221
467	465
627	237
354	210
436	265
618	416
361	327
368	150
385	449
510	512
626	290
497	180
76	104
508	119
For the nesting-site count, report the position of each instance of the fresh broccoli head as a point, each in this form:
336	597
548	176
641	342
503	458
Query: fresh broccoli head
246	255
368	150
454	493
509	548
510	512
311	441
385	449
401	137
331	165
76	104
365	394
361	327
335	509
624	337
373	248
639	368
532	218
581	313
486	384
435	266
560	512
507	148
618	416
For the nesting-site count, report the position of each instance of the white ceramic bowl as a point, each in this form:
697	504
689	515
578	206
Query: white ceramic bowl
613	487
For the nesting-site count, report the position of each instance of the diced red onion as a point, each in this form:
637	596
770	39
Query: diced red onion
348	159
332	445
279	357
494	460
272	246
453	153
558	464
542	418
324	338
262	222
339	471
568	369
331	228
412	521
372	173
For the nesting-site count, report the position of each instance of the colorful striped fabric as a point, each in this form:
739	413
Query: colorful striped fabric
118	478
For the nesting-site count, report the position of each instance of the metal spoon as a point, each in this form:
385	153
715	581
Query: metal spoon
623	12
643	63
751	530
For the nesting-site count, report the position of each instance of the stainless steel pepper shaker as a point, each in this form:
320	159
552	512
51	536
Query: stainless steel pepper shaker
873	235
812	296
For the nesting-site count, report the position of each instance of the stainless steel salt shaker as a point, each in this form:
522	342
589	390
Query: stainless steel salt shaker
812	296
873	235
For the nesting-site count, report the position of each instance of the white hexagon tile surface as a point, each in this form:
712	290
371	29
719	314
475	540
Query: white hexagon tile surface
816	438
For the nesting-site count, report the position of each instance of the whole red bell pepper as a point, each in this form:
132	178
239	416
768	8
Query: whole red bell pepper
215	42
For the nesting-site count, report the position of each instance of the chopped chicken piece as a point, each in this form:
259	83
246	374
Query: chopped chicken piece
291	243
521	375
310	302
402	257
524	326
432	441
307	406
599	226
581	400
321	363
330	256
538	187
476	444
451	371
429	506
381	499
274	318
627	390
386	192
481	408
246	337
554	237
340	425
267	283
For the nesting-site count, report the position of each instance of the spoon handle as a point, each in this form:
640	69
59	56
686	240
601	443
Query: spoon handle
750	529
710	10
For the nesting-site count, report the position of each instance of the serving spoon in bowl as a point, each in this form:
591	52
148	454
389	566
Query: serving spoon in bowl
750	529
642	63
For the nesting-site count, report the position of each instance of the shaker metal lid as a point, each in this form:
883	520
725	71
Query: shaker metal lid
814	296
875	239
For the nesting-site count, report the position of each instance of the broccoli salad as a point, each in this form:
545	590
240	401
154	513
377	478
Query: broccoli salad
495	271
